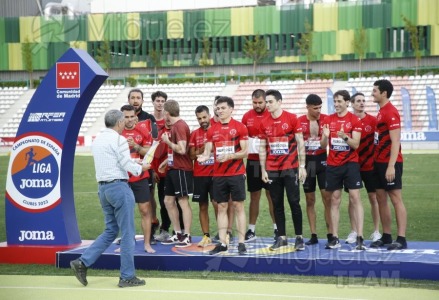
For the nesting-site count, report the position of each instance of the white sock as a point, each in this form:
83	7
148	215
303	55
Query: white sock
252	227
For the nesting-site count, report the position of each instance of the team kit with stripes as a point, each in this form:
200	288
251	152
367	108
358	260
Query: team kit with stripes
335	152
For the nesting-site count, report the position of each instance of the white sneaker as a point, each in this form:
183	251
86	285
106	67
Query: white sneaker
205	241
163	236
352	238
376	235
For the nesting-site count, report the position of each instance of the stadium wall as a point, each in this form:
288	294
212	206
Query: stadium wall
178	35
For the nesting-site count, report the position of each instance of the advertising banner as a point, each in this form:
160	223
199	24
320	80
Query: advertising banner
406	109
39	196
432	111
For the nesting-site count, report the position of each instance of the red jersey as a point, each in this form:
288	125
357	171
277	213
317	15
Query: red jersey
198	139
387	119
366	148
161	152
251	120
144	126
312	144
225	139
180	132
160	124
212	121
281	141
142	138
340	152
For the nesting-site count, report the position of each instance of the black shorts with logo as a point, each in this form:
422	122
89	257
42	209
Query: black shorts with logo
347	175
316	172
380	173
179	183
226	187
369	179
203	187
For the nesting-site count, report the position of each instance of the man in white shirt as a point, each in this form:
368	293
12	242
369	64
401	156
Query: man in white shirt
112	164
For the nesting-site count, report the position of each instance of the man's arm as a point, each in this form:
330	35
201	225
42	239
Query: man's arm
301	156
243	153
300	148
194	152
325	136
179	148
263	159
395	138
354	142
206	154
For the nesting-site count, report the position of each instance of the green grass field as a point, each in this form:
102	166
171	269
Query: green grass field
420	197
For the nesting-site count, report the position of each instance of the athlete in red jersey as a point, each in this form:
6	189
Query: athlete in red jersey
158	100
251	120
203	185
230	211
229	142
139	141
389	166
315	164
179	179
342	130
281	152
225	141
365	152
135	98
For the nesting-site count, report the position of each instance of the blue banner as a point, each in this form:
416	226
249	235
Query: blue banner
420	136
330	99
406	109
39	201
431	107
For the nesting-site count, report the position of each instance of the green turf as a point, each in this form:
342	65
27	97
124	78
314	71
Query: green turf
421	199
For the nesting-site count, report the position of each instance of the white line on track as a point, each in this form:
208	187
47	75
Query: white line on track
135	290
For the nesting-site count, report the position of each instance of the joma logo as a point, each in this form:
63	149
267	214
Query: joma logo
36	236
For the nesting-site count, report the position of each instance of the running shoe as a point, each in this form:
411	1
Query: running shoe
250	236
360	243
241	249
298	244
397	246
173	239
162	236
312	241
131	282
352	237
334	243
80	271
280	242
186	241
376	235
218	249
205	241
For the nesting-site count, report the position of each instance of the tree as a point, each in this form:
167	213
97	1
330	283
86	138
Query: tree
205	60
256	50
26	50
360	46
156	59
104	56
305	45
414	40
